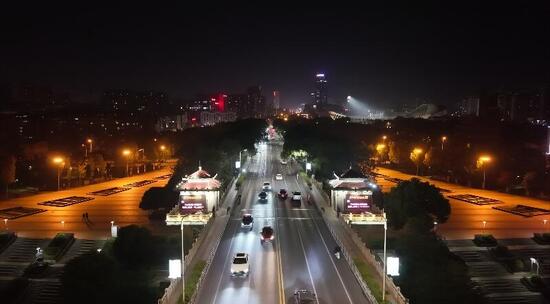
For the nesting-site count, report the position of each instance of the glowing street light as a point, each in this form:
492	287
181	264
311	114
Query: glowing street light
482	163
126	153
384	137
60	162
417	152
443	140
91	142
484	225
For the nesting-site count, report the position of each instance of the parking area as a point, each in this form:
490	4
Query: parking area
66	201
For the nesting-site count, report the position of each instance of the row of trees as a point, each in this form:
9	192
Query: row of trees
448	149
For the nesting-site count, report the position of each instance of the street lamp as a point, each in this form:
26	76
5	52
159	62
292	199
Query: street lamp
182	264
443	140
241	158
380	149
384	137
162	149
484	225
91	142
60	162
126	153
482	163
417	152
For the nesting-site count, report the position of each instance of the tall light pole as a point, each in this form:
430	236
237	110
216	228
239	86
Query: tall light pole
417	152
385	260
91	142
240	156
162	149
60	162
443	140
126	153
182	264
482	163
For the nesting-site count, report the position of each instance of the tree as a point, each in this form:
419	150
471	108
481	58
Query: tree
90	278
158	198
134	247
7	170
415	205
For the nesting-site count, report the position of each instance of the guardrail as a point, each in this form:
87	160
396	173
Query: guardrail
351	263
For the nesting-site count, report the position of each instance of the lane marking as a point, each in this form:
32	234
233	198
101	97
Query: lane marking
332	260
307	265
225	262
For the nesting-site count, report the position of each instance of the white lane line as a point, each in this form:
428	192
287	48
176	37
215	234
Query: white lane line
307	265
224	263
332	260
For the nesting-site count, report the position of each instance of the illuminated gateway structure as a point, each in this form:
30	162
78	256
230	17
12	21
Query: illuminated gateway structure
351	194
199	197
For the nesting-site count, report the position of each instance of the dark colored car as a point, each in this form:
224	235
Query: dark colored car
262	195
283	194
267	234
303	296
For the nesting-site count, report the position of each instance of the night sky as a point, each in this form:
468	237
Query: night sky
383	55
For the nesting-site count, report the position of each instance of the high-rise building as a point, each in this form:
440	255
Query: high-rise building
256	100
276	100
320	94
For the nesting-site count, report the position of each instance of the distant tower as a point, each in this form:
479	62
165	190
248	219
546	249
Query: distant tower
276	100
320	94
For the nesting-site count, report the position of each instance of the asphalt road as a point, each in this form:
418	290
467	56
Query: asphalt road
300	257
122	208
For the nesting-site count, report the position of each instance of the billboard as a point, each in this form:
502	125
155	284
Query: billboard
192	203
357	203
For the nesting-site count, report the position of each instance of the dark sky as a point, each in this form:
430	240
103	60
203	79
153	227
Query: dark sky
383	55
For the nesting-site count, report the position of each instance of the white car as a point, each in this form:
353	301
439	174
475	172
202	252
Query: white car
240	265
296	196
247	221
266	186
279	177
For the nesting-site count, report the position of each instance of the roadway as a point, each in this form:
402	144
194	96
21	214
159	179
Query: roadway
122	208
467	219
300	257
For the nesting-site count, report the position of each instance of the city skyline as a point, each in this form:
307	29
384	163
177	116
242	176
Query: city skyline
385	57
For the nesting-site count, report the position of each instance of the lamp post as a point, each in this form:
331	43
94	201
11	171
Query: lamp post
59	161
482	163
240	156
484	225
126	153
91	142
182	264
385	260
443	140
162	149
417	152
